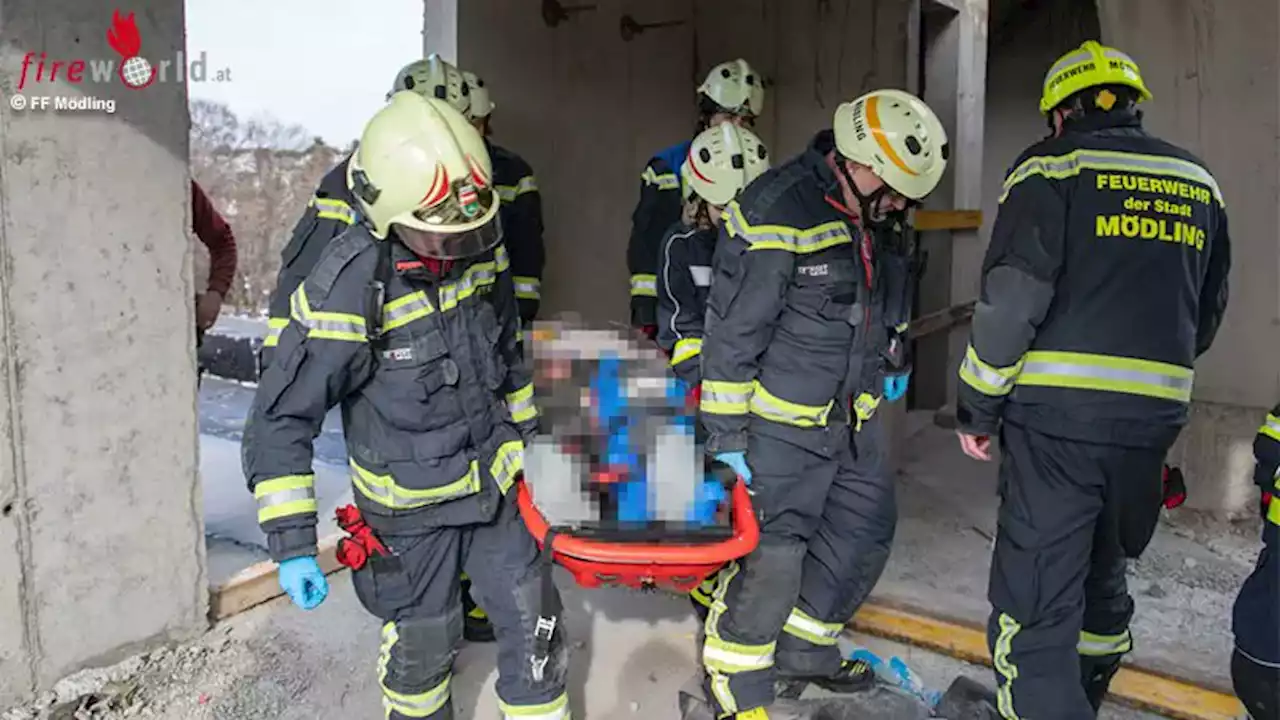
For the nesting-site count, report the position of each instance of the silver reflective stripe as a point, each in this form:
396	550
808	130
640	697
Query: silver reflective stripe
701	275
1096	645
647	282
281	497
1066	62
1107	160
403	306
798	241
770	408
528	288
1132	380
725	397
985	374
322	323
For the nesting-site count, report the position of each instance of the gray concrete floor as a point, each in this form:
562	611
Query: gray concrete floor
632	652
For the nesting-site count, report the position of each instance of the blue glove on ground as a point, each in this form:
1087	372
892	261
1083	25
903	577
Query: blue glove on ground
895	386
737	461
302	579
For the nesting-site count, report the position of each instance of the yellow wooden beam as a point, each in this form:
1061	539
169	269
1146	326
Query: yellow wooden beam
260	582
1132	686
947	220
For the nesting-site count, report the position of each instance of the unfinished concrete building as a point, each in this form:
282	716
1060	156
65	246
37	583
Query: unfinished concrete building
100	519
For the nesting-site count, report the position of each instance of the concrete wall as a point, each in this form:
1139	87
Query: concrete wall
101	542
587	109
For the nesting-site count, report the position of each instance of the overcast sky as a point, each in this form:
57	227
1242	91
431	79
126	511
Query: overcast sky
323	64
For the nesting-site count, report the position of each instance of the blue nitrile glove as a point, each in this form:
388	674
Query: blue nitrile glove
303	580
895	386
738	461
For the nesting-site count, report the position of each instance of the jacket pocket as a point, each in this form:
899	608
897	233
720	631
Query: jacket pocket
489	346
408	385
384	586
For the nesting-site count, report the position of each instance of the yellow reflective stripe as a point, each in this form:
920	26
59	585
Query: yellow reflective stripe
501	258
325	325
664	181
418	705
383	489
557	709
781	237
719	680
1107	373
284	496
771	407
1058	167
702	594
405	309
864	407
901	328
644	285
521	405
987	379
810	629
1273	507
331	209
528	288
1271	427
686	349
477	276
720	397
509	193
732	658
1094	645
508	463
275	327
1000	658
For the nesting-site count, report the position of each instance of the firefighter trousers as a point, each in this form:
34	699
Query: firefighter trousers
1071	514
826	524
416	593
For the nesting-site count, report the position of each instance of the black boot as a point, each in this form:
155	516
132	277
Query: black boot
853	676
1095	675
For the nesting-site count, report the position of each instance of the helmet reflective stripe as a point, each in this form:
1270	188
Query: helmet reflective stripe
421	164
736	87
436	79
481	103
896	135
1090	65
723	160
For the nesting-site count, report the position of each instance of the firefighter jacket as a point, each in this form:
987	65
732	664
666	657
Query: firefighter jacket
658	209
330	211
684	279
797	315
1256	616
1105	278
433	409
521	216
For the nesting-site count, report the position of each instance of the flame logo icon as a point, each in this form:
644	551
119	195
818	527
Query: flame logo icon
135	71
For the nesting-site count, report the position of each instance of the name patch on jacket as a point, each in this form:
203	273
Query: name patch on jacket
821	270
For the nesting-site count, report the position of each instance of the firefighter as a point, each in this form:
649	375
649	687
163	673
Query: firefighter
330	212
1105	278
1255	664
521	209
796	307
721	162
732	93
409	322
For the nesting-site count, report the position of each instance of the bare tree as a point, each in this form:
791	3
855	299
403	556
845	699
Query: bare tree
260	174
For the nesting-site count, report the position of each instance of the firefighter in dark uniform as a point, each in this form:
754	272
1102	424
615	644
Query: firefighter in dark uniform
1255	665
331	211
521	209
721	162
733	92
409	322
797	307
1104	280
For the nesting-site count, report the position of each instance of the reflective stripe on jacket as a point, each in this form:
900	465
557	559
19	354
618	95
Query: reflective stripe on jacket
521	215
656	211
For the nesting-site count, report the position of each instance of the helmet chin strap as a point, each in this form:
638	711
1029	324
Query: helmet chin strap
868	202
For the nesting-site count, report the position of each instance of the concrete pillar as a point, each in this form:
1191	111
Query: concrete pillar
1216	86
101	541
954	38
440	29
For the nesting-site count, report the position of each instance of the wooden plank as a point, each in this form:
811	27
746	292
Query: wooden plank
941	321
947	220
259	583
1133	686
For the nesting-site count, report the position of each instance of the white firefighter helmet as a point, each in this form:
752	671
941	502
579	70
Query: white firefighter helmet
896	135
434	78
722	161
734	86
422	170
481	101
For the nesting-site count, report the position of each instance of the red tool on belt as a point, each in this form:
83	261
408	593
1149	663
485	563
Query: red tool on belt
1175	488
355	551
